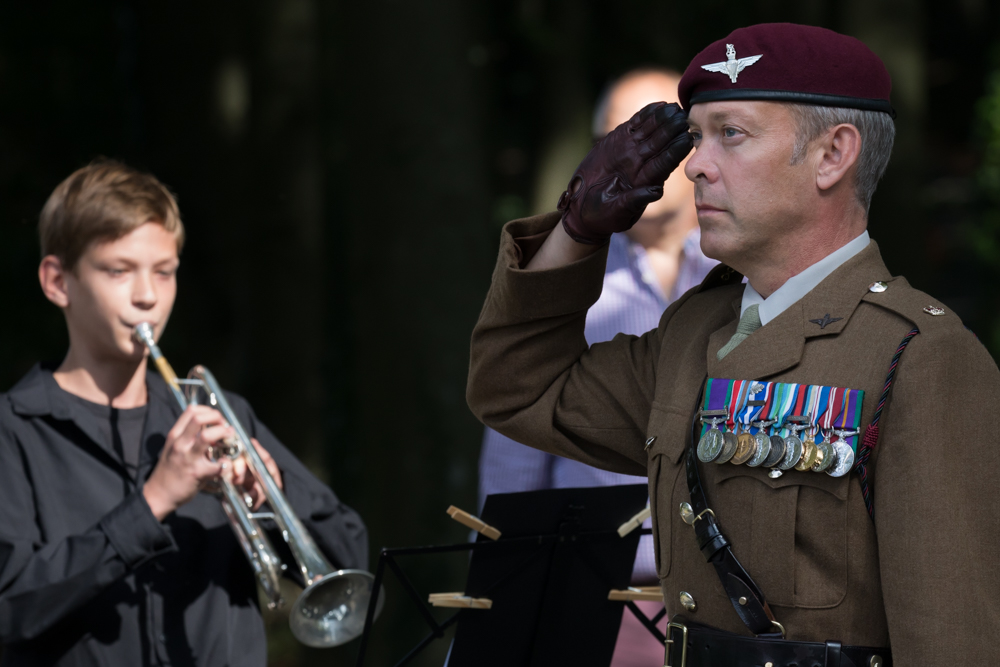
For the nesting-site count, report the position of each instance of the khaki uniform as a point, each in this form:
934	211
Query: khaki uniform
923	578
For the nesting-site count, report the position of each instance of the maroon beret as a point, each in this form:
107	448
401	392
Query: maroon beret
785	62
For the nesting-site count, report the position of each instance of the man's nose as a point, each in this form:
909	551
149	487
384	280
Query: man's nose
698	165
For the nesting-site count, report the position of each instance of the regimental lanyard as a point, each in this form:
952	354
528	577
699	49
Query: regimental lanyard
783	408
850	417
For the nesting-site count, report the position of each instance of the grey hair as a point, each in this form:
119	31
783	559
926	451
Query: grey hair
877	131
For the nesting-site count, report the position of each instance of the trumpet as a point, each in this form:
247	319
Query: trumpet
331	609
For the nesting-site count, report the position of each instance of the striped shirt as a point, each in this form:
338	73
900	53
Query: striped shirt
632	303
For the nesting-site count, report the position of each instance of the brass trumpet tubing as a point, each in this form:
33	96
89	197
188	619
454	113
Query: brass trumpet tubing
312	564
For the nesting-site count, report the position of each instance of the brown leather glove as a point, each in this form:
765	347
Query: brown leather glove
624	172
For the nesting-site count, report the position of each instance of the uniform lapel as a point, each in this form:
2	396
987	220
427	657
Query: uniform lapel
825	311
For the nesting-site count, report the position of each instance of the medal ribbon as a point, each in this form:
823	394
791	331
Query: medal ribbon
833	409
740	396
749	412
820	414
850	416
718	393
813	394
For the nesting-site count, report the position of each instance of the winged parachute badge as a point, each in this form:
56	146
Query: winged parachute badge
731	66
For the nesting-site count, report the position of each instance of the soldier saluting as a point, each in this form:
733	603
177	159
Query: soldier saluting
817	440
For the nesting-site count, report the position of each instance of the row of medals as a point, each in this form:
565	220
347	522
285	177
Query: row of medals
775	452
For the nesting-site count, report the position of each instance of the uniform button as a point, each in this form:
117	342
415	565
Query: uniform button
649	443
687	601
878	287
743	602
875	661
687	514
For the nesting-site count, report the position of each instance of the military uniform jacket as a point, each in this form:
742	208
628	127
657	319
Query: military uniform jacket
88	576
922	577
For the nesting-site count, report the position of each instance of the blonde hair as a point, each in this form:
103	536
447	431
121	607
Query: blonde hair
104	201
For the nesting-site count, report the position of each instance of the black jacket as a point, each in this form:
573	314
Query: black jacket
88	576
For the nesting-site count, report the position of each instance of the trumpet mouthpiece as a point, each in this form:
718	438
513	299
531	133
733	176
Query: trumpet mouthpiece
143	333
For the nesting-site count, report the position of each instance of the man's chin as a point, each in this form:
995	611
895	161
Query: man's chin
717	246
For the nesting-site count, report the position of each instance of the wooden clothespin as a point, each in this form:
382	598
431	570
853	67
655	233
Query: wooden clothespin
650	593
634	522
458	600
473	522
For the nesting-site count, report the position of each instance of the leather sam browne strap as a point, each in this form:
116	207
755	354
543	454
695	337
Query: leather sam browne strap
710	647
744	594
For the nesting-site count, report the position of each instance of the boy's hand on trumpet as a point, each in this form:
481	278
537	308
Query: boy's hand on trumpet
244	479
185	465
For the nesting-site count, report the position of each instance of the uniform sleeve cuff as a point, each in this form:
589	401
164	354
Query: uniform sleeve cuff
135	533
547	293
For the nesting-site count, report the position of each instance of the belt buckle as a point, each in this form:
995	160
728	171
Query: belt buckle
684	644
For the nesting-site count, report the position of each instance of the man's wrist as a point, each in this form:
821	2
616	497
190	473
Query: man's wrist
559	249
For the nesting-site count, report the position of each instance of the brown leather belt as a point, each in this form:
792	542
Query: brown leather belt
692	645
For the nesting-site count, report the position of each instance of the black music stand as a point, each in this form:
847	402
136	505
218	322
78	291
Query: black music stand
548	577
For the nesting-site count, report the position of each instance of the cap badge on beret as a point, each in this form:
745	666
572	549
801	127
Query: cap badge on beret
731	65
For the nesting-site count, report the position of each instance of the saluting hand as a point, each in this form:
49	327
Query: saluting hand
184	465
624	172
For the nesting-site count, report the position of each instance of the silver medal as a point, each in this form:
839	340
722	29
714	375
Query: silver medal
824	462
710	445
777	452
761	450
845	459
793	452
729	445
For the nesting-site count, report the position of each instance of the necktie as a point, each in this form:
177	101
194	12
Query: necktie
749	323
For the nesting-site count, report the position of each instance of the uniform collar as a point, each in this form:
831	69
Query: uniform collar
799	285
824	311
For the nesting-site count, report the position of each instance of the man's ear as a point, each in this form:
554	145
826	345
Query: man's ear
841	148
52	277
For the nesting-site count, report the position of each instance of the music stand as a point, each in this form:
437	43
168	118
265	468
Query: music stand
548	577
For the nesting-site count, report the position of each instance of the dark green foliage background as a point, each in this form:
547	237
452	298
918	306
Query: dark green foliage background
341	234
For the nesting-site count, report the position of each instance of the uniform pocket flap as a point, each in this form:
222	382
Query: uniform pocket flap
669	428
836	486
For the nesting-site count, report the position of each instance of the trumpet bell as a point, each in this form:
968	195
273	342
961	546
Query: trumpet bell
332	610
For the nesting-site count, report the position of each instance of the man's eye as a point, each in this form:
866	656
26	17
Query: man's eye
166	273
116	272
730	132
695	136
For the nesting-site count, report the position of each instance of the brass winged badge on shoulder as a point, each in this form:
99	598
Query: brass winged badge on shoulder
731	66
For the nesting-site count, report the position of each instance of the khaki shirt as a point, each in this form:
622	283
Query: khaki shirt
921	578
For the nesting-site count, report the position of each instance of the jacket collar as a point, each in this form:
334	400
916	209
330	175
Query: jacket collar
38	394
825	311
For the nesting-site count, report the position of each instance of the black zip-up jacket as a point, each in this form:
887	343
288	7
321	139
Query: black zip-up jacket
88	576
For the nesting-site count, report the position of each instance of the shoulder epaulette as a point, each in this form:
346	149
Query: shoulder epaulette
924	311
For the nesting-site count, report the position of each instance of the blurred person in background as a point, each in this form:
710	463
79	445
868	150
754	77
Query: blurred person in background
648	268
109	555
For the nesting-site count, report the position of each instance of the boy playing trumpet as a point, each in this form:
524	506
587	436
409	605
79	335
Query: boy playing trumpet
108	552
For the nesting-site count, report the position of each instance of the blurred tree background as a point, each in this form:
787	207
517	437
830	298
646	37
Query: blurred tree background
344	169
